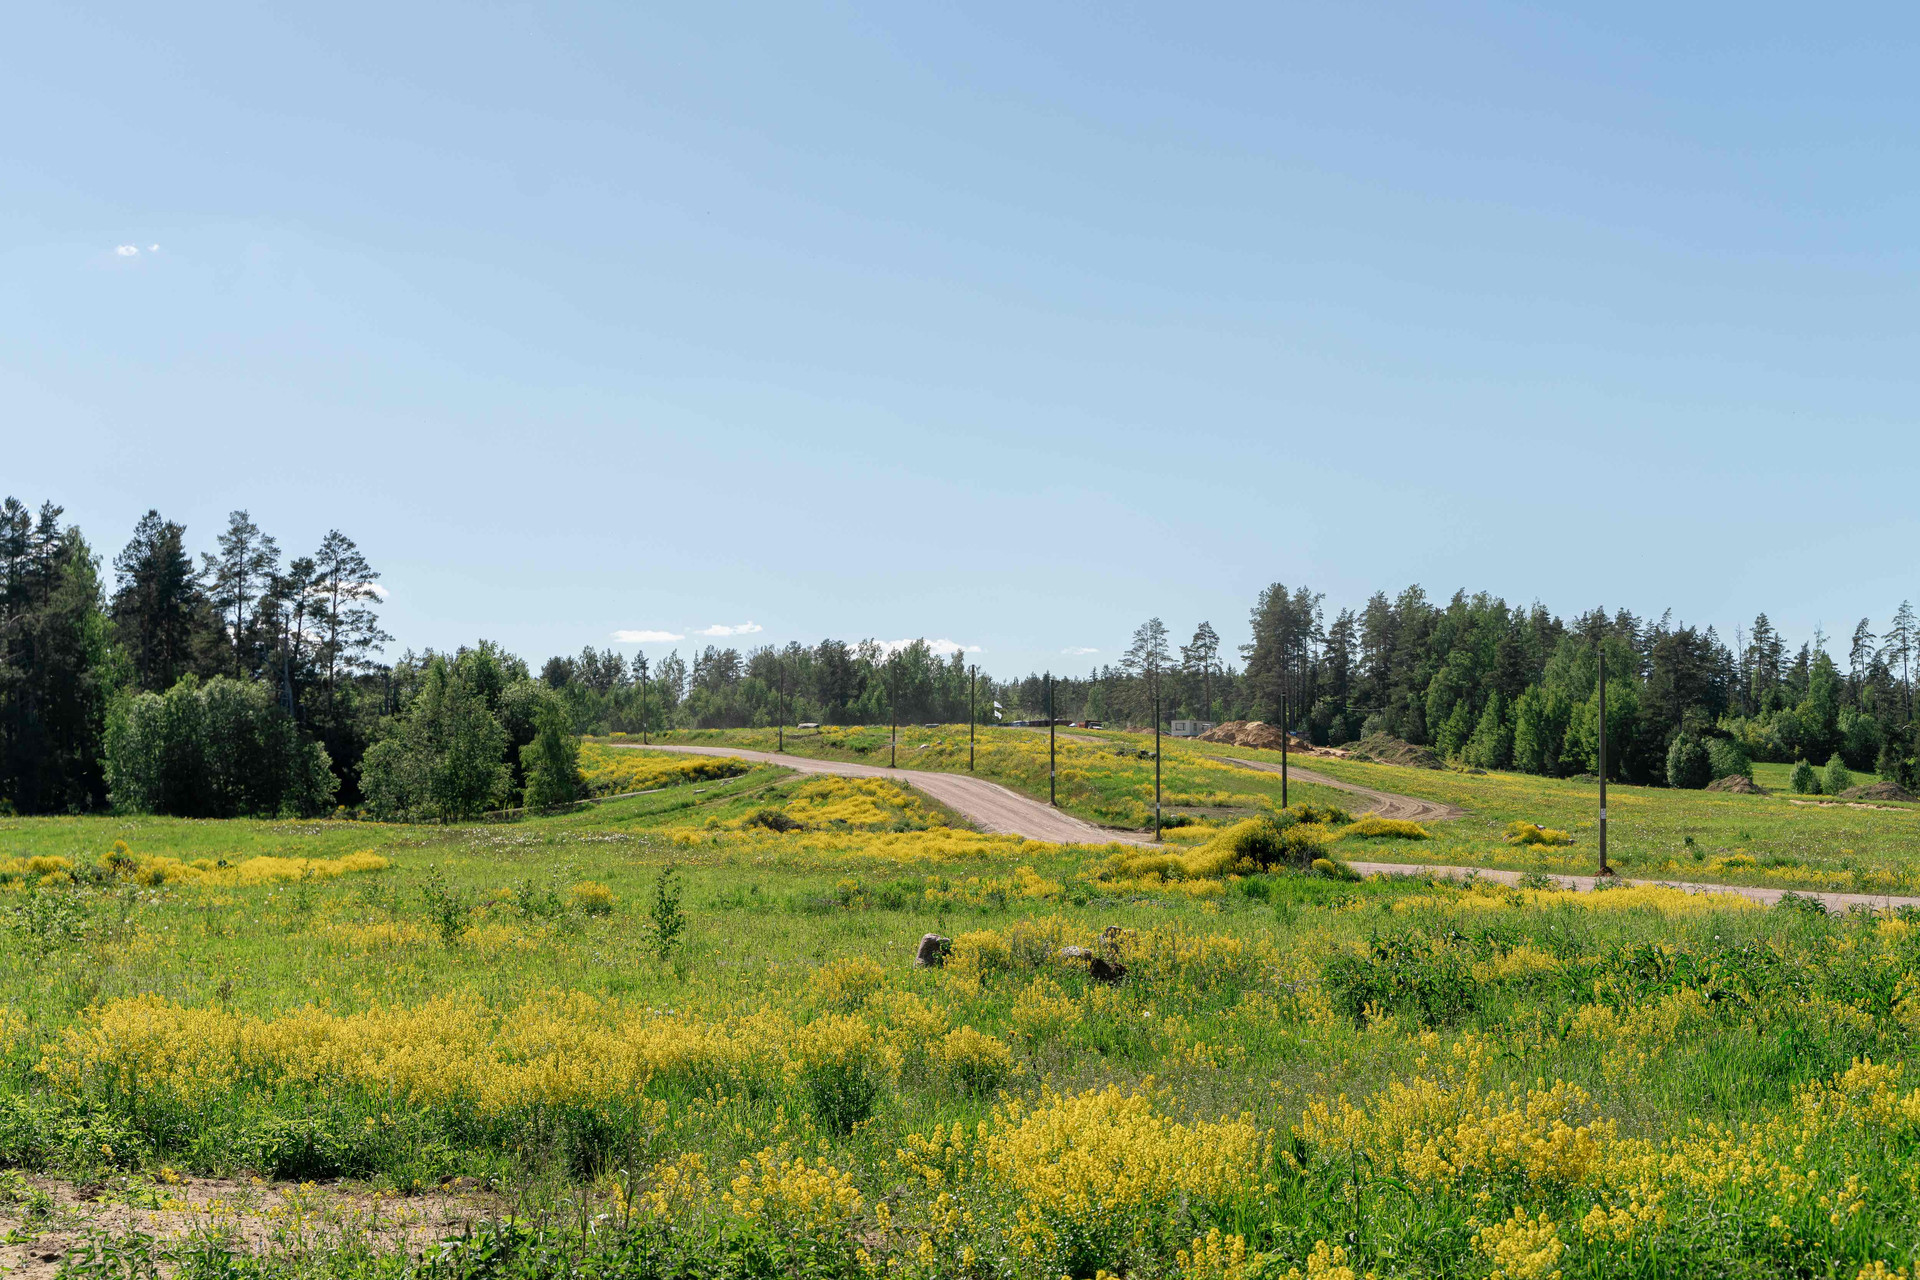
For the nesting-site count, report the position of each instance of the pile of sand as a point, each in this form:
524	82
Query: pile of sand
1878	791
1384	749
1739	784
1262	736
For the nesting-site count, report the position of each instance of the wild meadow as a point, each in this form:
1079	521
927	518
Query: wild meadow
682	1033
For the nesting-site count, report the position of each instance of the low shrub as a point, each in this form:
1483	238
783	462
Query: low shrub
773	820
1805	781
592	897
1520	834
1835	778
1395	828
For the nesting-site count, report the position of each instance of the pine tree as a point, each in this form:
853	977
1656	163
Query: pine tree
1200	655
347	592
157	607
235	580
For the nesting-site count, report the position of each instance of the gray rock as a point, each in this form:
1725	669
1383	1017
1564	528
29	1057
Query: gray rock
1075	953
933	951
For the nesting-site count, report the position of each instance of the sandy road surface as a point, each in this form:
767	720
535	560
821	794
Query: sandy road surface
1385	803
988	805
1585	884
994	808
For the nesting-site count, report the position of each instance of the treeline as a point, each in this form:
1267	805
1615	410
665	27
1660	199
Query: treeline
832	682
1503	687
246	683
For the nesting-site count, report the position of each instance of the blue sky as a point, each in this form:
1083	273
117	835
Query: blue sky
1004	324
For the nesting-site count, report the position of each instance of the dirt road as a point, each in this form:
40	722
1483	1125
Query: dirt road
994	808
988	805
1385	803
1585	884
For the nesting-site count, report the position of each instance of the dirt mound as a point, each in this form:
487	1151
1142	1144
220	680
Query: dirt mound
1739	784
1878	791
1262	736
1245	733
1383	749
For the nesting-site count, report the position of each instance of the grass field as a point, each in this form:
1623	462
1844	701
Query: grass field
1778	840
1297	1074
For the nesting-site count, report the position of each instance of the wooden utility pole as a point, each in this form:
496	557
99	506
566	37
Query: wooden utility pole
1052	799
1283	751
1605	870
1156	753
973	674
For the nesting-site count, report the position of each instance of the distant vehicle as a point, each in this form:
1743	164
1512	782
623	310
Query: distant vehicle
1190	728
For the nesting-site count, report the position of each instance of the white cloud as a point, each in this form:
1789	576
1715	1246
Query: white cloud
940	648
1078	651
128	250
722	629
153	248
646	637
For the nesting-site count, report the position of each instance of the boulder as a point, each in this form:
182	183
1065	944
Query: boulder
933	951
1075	953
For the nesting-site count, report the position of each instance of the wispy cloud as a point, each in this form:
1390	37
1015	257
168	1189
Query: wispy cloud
128	250
646	637
941	648
1078	650
722	629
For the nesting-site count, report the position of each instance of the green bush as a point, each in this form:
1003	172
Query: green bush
1689	767
1834	778
1729	758
1805	781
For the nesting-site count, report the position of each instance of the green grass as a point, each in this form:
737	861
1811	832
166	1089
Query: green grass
1109	782
1281	994
1735	839
1779	777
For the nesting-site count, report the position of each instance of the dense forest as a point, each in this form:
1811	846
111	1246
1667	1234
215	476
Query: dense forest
252	683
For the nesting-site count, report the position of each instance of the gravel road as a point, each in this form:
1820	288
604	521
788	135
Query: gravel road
988	805
1385	803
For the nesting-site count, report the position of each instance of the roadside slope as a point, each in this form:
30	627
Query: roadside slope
1385	803
988	805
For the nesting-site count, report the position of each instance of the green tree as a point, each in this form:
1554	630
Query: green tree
1491	746
158	612
57	668
1688	764
1728	758
552	760
1455	730
1539	725
236	578
223	749
445	759
1835	778
1805	781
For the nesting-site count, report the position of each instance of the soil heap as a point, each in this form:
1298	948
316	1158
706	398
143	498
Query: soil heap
1877	791
1262	736
1739	784
1384	749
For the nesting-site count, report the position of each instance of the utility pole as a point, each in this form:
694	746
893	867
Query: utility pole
1051	798
1605	870
973	674
1156	754
643	699
1283	751
780	732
